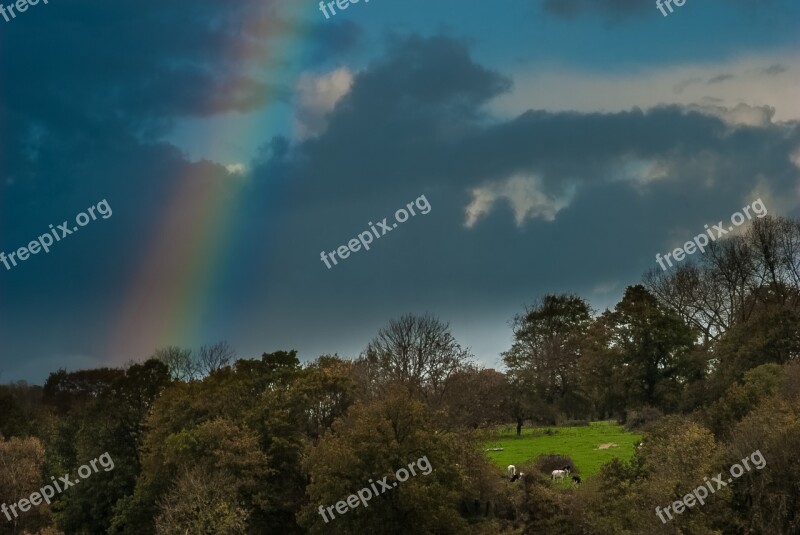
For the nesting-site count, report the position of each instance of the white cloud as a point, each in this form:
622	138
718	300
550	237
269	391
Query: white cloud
765	86
236	168
742	114
524	194
316	96
641	172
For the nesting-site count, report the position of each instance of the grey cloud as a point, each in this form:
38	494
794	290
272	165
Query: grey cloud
145	65
681	86
774	70
720	78
416	118
414	122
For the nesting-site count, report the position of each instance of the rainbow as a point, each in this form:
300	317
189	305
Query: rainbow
175	281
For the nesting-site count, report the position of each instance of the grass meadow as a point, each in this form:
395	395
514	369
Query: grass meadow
579	443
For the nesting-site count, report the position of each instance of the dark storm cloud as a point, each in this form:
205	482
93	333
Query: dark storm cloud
84	77
415	123
86	86
424	92
139	62
418	115
89	84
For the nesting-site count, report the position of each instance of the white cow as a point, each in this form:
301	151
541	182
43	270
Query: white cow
512	471
560	474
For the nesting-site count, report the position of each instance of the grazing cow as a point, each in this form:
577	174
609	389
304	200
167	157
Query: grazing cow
560	474
576	480
512	471
517	476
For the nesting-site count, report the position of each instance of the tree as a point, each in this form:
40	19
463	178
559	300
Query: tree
65	390
214	357
725	285
770	335
202	503
329	388
653	346
186	365
246	420
767	498
604	377
740	399
12	416
375	440
181	363
477	398
114	422
672	461
418	352
543	360
21	463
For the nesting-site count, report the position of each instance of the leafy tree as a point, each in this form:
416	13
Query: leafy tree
375	440
12	416
477	398
604	378
64	390
255	403
202	503
21	462
758	384
328	387
767	500
114	423
672	462
543	360
770	335
651	349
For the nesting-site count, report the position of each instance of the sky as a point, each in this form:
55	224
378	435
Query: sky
560	145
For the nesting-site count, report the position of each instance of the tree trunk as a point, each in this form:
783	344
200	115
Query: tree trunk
519	426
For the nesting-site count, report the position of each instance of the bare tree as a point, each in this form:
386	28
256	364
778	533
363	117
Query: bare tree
180	361
728	283
187	365
777	244
214	357
417	351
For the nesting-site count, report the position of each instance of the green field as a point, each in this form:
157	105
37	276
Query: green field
579	443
